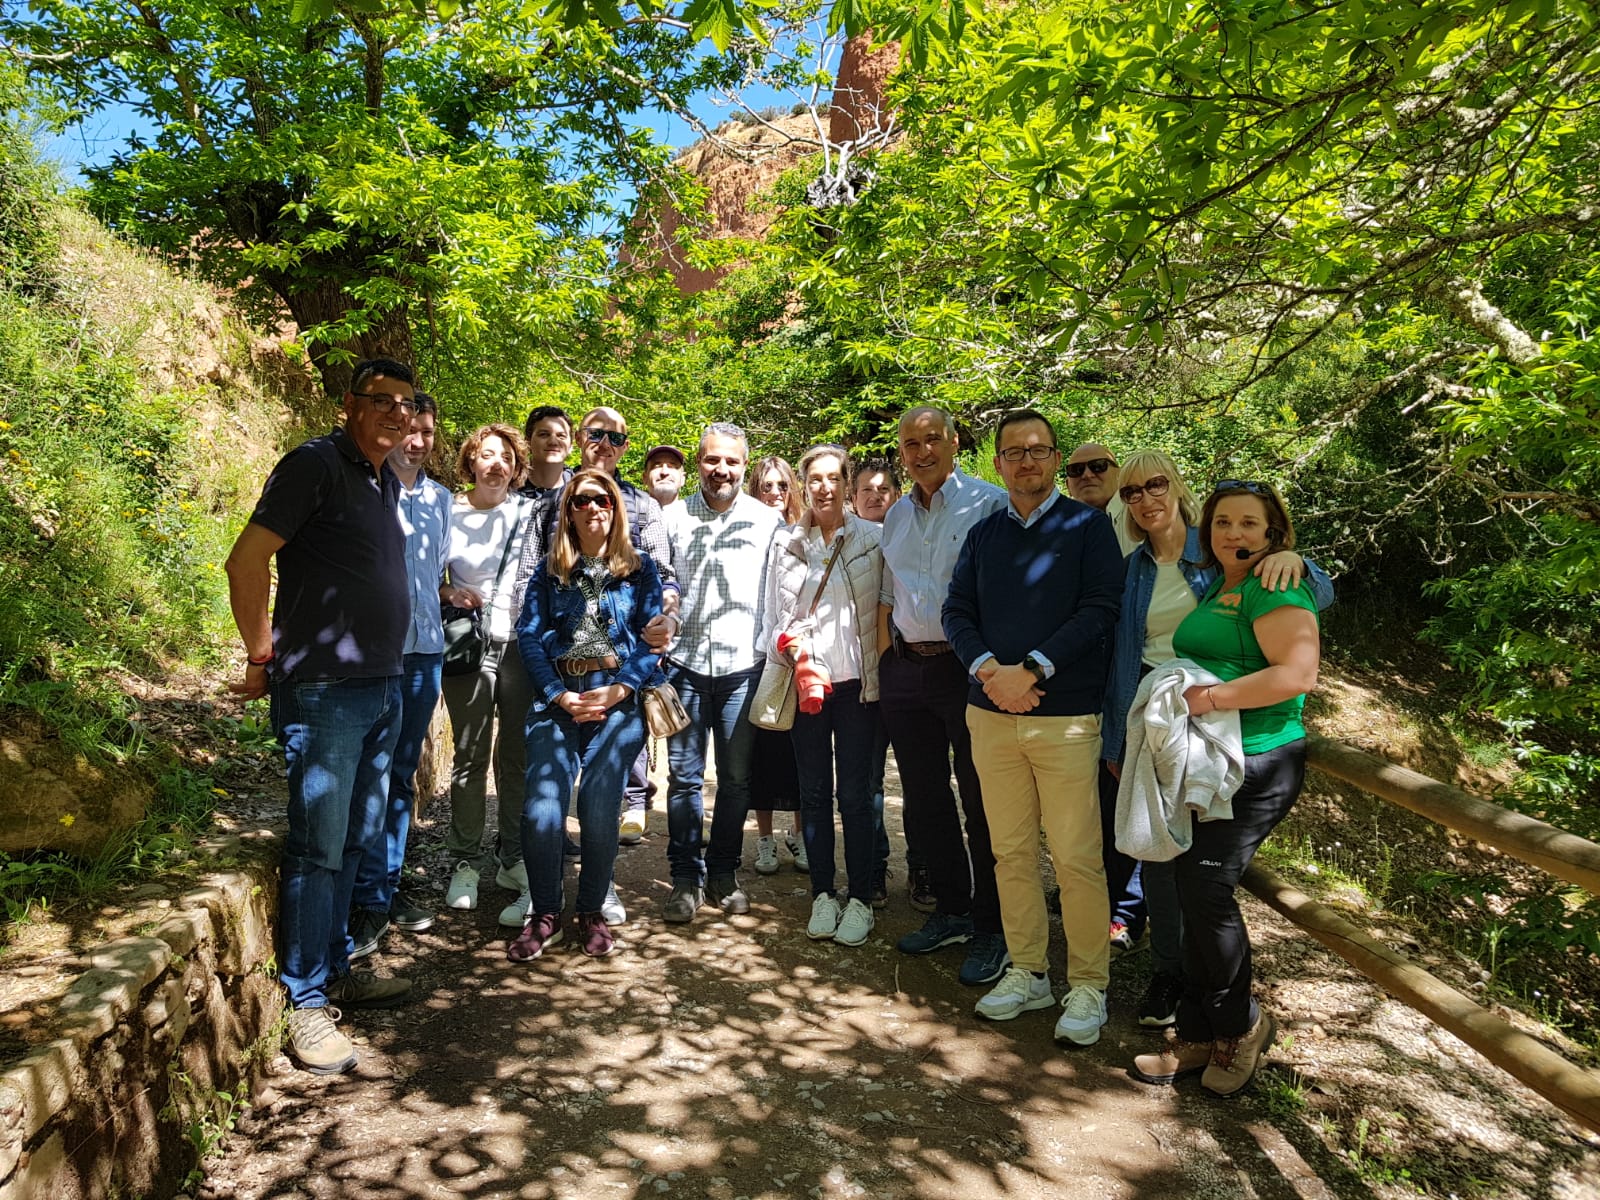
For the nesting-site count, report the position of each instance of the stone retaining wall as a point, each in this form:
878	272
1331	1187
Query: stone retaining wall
149	1034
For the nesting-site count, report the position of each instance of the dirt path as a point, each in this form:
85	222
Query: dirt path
736	1058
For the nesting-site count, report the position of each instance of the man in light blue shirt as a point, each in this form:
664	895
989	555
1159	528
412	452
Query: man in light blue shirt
923	694
424	513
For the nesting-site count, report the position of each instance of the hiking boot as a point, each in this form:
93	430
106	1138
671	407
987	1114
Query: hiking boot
363	989
824	918
987	959
513	877
937	932
1234	1060
518	911
682	904
1159	1007
463	890
1173	1061
919	891
631	831
539	932
1019	991
366	931
316	1043
796	846
405	913
1083	1012
1123	940
594	935
767	855
724	892
611	907
855	924
880	889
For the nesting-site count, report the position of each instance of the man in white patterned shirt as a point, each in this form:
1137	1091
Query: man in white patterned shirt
720	537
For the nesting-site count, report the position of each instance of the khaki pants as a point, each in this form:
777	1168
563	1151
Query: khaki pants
1043	771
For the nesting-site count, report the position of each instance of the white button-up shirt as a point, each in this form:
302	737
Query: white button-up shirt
424	513
721	560
920	547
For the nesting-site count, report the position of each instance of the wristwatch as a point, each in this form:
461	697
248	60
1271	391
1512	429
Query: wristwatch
1034	665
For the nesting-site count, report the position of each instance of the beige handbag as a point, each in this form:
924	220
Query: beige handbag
664	714
773	706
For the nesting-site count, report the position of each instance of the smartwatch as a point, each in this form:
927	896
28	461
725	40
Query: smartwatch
1034	665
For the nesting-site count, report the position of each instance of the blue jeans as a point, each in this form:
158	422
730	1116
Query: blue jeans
842	733
378	877
598	754
338	738
1124	882
718	705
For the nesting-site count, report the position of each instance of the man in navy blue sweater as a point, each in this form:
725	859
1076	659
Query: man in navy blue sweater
1031	609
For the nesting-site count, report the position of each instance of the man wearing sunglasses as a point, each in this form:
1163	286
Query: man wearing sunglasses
1092	478
331	656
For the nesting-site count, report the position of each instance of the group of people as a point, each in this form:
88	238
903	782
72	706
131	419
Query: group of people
1009	637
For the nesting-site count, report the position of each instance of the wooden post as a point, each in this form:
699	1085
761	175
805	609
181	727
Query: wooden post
1564	855
433	768
1574	1090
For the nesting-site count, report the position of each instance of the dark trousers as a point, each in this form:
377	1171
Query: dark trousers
1123	876
839	738
1216	946
639	791
924	705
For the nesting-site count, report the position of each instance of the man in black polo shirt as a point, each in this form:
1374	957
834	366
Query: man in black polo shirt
331	660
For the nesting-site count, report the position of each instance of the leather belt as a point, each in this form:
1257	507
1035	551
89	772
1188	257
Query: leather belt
927	649
582	666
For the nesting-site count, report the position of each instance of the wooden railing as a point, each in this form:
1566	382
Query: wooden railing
1573	1089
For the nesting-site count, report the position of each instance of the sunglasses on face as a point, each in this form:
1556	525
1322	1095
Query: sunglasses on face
1095	466
774	485
585	499
384	403
597	435
1254	487
1015	454
1156	486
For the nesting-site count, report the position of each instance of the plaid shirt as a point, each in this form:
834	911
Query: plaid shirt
721	561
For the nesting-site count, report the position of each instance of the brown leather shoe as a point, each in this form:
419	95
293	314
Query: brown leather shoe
1173	1061
1234	1060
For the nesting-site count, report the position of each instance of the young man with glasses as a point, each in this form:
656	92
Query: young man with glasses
1032	604
331	657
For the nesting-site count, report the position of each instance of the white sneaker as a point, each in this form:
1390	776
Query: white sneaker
1018	991
854	926
519	910
766	855
463	891
824	918
797	847
513	878
1083	1011
611	907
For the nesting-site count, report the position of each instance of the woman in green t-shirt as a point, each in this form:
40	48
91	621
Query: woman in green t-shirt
1265	647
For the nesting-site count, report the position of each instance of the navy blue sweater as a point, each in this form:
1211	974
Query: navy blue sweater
1054	589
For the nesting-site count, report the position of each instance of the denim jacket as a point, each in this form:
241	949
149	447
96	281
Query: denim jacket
1127	655
550	615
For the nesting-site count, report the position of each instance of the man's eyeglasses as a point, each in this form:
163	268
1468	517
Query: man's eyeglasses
585	499
1254	487
1156	486
1015	454
598	435
1095	466
384	403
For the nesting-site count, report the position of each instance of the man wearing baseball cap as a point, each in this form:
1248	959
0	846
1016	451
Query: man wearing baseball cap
663	475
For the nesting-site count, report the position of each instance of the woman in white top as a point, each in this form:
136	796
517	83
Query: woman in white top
487	528
832	550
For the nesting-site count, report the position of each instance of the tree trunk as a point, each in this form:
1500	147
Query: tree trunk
389	335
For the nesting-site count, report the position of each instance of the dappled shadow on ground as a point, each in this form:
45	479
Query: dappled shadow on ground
734	1057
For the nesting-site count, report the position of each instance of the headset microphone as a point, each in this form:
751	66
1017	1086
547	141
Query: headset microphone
1273	536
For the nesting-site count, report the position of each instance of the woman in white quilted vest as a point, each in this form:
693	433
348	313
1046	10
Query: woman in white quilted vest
823	576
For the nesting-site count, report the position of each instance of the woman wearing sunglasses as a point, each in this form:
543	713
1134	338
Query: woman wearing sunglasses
581	637
774	781
1223	588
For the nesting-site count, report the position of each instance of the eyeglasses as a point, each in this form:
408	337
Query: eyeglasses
1015	454
597	435
1254	487
1156	487
384	403
585	499
1095	466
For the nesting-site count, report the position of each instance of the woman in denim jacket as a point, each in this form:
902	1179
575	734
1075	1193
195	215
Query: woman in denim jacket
581	637
1163	583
